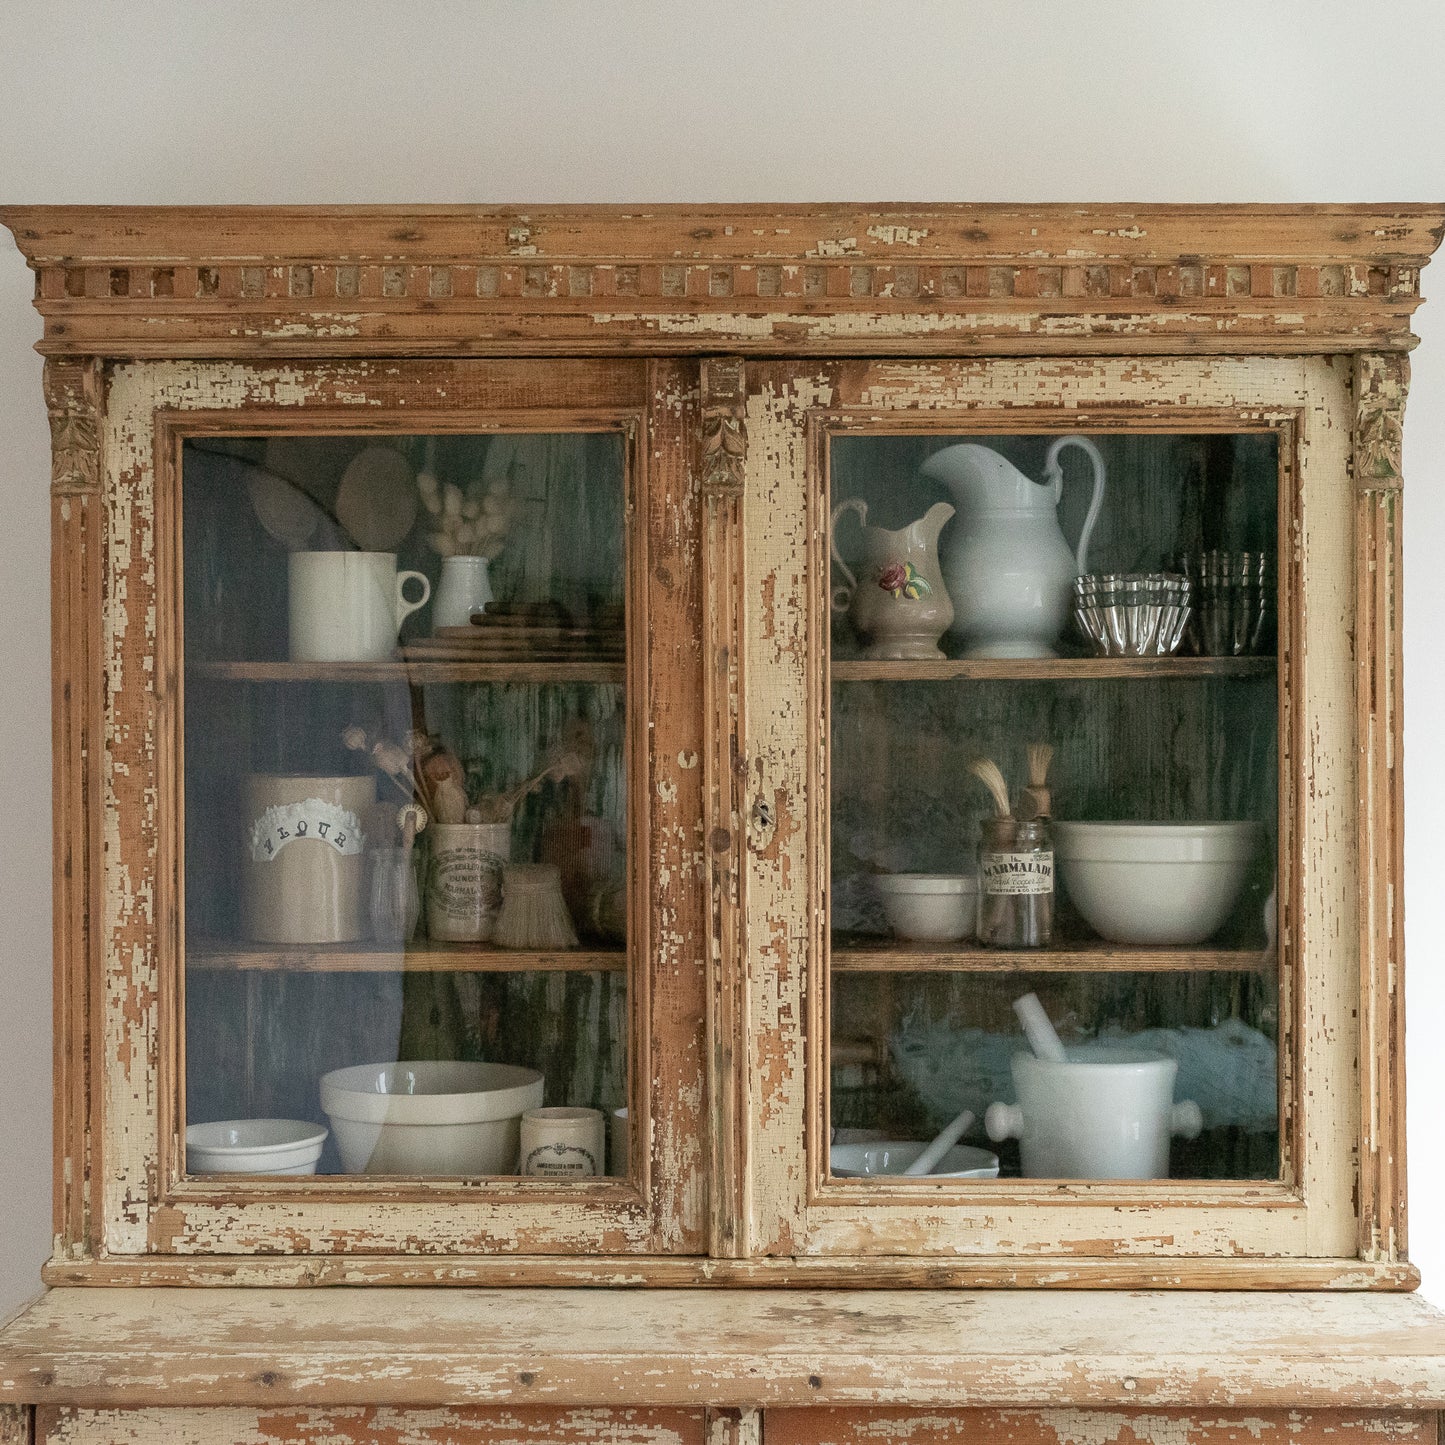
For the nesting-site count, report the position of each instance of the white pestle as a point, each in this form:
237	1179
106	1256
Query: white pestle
948	1136
1038	1030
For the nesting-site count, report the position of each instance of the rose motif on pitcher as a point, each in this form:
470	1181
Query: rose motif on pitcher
902	579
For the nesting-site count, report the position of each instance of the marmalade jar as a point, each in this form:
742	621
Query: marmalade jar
1015	883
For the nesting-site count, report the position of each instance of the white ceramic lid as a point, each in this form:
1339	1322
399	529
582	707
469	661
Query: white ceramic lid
1155	842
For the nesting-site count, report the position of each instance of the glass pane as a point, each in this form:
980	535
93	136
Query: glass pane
1121	867
406	739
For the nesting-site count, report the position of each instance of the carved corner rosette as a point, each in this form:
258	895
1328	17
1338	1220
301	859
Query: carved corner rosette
74	398
1382	380
724	426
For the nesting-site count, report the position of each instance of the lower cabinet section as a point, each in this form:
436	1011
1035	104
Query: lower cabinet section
836	1426
366	1425
489	1425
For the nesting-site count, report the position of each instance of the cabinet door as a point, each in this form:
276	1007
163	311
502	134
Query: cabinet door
1186	912
403	946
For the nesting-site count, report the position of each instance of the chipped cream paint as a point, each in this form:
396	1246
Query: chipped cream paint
1096	1427
1068	1351
1312	1213
776	750
370	1425
897	235
144	1213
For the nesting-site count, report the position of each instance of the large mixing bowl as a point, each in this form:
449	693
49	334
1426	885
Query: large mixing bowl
1164	884
429	1117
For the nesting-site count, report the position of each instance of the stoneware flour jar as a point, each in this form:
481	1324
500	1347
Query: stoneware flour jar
304	858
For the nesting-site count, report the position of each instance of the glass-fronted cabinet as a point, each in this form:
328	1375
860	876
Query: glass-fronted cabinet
1054	673
620	731
435	915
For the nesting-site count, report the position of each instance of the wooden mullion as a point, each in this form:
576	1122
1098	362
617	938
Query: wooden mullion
1381	384
724	758
75	397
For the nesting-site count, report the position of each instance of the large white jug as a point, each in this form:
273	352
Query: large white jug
1007	566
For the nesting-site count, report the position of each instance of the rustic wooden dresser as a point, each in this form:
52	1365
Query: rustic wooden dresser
669	451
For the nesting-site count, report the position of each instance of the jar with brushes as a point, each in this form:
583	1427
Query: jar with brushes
1016	859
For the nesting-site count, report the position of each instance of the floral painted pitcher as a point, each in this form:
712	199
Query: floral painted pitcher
897	602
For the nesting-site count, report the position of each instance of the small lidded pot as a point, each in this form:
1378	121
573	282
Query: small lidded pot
1015	883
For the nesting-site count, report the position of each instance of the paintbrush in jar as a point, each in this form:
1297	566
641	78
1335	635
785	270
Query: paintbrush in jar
988	773
1035	800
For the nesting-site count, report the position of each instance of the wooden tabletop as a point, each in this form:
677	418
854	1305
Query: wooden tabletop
431	1347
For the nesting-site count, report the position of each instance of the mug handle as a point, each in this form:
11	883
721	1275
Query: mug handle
404	609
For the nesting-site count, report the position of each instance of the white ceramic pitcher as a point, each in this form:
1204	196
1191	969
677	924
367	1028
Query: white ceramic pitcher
1007	566
897	602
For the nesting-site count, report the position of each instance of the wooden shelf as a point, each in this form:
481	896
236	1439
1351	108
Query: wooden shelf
407	673
895	956
1047	669
422	956
411	672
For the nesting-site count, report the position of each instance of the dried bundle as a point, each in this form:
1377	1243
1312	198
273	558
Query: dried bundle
987	772
470	524
570	759
394	763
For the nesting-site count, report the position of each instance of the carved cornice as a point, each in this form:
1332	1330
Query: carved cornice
344	281
1381	385
724	426
74	400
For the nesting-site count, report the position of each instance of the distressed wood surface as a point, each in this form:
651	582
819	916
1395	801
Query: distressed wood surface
75	399
862	1272
1381	384
726	825
146	1208
17	1425
746	1348
834	1426
226	281
369	1425
1310	1211
855	955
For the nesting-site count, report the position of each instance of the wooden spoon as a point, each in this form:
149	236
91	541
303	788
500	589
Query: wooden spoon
377	500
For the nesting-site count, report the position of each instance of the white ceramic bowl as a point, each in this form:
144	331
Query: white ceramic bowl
254	1146
892	1157
429	1116
1165	884
930	907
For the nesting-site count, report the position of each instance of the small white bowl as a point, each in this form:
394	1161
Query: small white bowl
254	1146
930	907
433	1116
1162	884
890	1158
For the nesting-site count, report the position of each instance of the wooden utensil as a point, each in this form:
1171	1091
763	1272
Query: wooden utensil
376	501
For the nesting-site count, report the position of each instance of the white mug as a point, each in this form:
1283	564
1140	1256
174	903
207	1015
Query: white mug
562	1143
348	606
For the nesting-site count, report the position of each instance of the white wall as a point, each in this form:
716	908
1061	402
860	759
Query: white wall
1138	100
